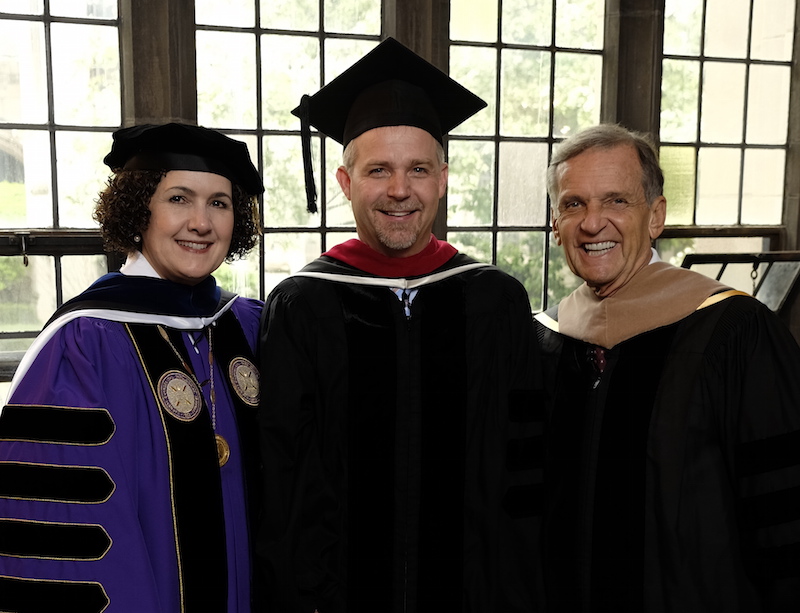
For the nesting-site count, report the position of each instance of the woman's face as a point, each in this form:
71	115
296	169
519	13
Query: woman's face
191	225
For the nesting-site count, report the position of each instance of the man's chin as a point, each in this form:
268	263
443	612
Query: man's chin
398	243
598	283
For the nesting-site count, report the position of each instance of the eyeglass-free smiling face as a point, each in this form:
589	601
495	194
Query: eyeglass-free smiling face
394	187
191	225
602	217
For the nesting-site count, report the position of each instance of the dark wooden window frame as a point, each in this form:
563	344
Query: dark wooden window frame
631	95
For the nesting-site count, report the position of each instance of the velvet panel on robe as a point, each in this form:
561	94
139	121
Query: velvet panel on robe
101	517
673	478
402	454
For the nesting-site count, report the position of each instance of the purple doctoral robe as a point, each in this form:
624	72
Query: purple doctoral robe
102	508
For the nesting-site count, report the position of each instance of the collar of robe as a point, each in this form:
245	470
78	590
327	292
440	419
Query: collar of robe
117	291
658	295
359	255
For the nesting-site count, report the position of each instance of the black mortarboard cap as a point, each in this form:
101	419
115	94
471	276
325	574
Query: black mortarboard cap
178	146
390	86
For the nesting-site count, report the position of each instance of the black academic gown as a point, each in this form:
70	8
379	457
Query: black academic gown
673	477
398	451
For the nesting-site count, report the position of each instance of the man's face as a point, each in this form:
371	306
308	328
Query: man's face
394	187
602	218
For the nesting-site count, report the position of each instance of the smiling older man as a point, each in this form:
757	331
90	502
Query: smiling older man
672	463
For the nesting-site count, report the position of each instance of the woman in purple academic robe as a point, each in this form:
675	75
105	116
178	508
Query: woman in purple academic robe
125	443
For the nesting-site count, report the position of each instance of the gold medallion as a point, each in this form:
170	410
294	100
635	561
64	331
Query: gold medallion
223	450
179	395
244	377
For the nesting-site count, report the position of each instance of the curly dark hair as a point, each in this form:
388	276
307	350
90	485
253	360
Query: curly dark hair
122	210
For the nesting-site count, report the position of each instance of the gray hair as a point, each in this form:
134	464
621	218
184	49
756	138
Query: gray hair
350	153
606	136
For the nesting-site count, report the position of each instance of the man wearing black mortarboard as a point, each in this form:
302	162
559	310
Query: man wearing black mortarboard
399	419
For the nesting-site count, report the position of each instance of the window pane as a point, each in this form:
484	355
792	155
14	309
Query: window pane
726	28
723	103
712	271
27	293
238	13
79	271
337	238
718	186
23	7
97	9
528	22
340	54
738	276
25	179
284	185
579	23
240	276
679	92
674	250
224	59
473	20
522	198
476	69
290	14
14	348
521	254
525	93
286	253
727	244
768	105
251	140
291	71
576	95
22	66
720	175
560	279
678	164
81	176
477	245
337	206
774	288
773	30
762	188
471	183
86	86
682	27
735	275
353	16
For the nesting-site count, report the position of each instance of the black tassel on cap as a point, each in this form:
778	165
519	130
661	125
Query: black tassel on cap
308	166
390	86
